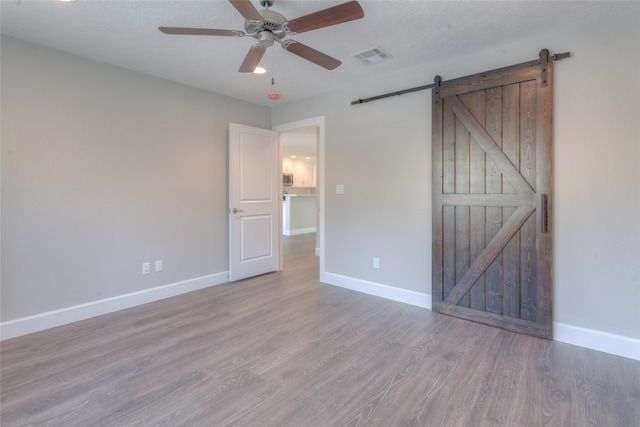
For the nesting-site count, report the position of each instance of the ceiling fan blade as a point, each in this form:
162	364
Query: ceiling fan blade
310	54
331	16
201	31
246	9
252	59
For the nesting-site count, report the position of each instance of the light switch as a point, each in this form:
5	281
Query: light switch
339	188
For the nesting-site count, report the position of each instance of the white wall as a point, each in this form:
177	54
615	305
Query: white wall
102	170
380	151
301	212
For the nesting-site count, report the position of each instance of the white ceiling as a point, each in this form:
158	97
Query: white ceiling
300	143
125	33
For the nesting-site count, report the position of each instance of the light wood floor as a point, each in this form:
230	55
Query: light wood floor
285	350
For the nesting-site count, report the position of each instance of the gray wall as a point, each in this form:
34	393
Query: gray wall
381	152
102	170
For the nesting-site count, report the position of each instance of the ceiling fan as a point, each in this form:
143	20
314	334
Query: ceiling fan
268	27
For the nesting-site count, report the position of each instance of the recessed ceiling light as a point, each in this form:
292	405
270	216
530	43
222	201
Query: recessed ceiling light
293	157
258	70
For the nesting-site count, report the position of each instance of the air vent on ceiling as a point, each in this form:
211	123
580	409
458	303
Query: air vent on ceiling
371	56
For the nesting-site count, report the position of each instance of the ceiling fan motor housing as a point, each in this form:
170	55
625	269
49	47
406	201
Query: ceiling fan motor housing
271	22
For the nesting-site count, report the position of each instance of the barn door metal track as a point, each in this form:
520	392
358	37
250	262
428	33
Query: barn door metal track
542	61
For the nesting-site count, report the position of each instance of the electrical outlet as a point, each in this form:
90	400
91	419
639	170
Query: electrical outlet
376	262
146	268
158	266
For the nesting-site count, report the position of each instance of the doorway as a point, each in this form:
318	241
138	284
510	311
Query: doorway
317	124
299	167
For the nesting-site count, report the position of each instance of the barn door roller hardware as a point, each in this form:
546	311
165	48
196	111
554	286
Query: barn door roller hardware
437	81
543	61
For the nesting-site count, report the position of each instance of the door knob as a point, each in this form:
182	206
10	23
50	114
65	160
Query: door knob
236	210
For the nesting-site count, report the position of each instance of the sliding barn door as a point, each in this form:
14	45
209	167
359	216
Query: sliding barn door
491	200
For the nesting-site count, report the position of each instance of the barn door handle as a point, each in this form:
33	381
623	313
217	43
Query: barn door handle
235	210
544	212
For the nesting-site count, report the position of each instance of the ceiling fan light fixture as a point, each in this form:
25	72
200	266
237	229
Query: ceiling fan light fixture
259	70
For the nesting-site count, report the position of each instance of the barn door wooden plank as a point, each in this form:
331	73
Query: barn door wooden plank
494	183
462	237
544	186
492	153
437	261
528	162
511	252
448	212
475	103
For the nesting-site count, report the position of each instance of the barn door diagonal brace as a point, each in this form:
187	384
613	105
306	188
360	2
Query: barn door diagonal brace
543	60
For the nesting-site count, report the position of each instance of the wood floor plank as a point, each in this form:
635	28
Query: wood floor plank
283	349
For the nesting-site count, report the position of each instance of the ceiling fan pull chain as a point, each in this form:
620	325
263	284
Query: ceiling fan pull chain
273	67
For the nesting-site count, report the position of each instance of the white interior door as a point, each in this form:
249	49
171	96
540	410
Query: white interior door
254	201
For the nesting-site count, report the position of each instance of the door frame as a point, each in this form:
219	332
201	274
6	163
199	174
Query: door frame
318	122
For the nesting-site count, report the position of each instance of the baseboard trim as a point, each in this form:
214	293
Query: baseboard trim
587	338
575	335
51	319
597	340
389	292
299	231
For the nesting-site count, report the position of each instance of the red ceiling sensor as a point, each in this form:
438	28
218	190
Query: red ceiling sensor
273	96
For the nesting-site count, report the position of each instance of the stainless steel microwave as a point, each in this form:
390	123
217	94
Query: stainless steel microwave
287	179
